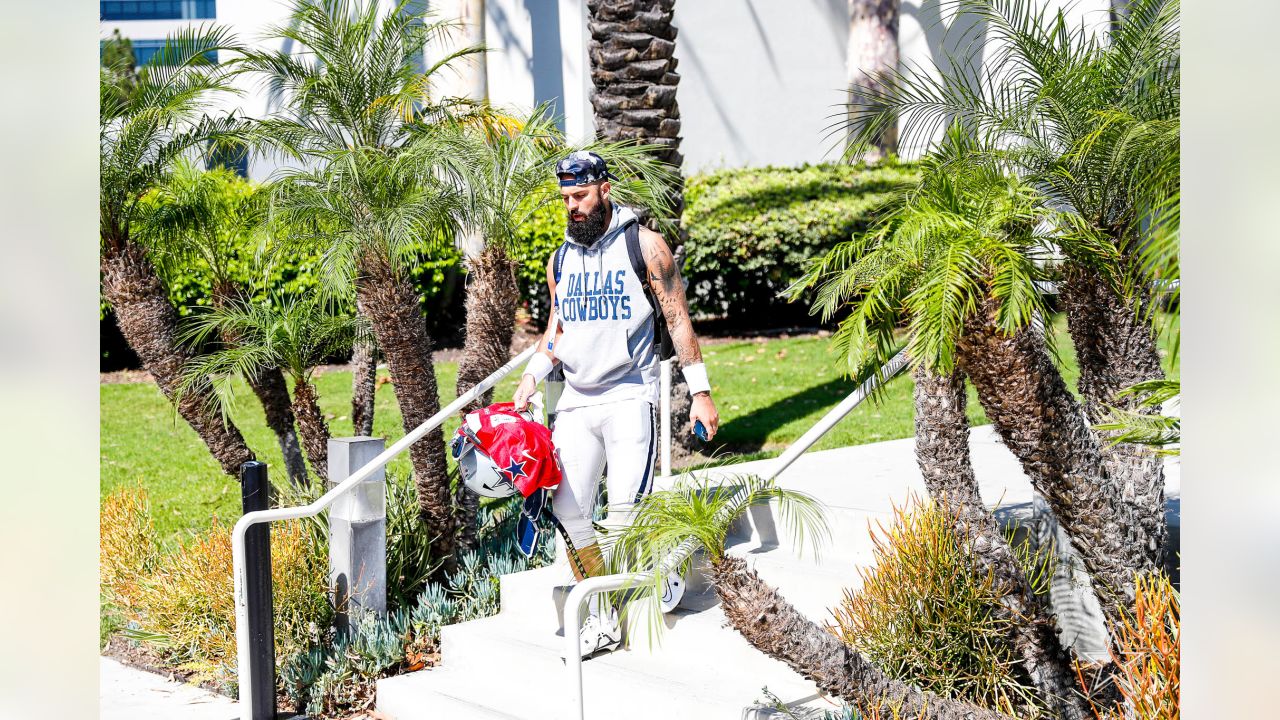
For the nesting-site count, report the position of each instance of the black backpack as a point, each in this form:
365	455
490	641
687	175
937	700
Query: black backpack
663	344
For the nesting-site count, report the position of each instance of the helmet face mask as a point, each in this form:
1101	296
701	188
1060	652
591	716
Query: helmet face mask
479	473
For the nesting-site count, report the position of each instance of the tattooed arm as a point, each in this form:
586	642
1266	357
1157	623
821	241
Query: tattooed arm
668	289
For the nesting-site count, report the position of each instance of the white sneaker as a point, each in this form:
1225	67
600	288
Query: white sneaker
600	633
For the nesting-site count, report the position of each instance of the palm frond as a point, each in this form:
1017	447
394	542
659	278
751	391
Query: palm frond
1140	425
701	511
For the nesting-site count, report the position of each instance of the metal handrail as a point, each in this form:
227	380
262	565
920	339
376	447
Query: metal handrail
590	586
324	501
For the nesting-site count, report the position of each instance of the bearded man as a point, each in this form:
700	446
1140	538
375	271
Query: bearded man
616	292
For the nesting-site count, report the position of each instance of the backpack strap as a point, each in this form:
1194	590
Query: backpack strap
558	264
661	334
638	265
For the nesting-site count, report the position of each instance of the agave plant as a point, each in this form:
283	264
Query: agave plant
146	125
699	513
292	334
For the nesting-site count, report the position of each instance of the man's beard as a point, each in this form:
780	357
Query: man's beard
589	229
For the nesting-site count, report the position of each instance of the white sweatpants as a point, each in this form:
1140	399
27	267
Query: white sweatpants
622	434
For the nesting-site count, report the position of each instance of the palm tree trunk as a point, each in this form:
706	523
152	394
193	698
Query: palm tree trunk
632	54
364	385
491	301
273	393
391	304
315	431
942	451
774	627
873	49
1045	428
149	323
492	296
1116	348
270	387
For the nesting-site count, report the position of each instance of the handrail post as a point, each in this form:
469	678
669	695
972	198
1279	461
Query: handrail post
261	653
357	530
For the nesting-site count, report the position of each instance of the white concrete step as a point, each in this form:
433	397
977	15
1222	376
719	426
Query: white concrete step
700	670
464	695
696	667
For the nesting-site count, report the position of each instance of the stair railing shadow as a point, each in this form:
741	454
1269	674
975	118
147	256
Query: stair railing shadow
747	434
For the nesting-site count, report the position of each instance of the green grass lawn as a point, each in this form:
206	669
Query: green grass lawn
768	393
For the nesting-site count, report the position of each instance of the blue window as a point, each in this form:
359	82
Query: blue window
231	158
144	51
157	9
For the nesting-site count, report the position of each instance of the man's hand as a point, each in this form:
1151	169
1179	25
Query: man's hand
524	391
704	409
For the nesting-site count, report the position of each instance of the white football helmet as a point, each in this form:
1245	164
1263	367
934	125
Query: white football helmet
479	473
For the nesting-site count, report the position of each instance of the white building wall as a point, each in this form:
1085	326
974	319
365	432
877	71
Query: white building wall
759	80
762	81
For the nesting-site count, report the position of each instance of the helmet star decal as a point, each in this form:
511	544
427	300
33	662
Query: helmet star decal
515	469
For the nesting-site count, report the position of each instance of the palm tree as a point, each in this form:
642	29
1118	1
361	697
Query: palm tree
872	52
375	189
200	219
293	334
695	511
942	452
959	263
143	129
632	52
1086	119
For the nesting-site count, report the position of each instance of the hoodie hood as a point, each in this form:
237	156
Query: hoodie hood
618	221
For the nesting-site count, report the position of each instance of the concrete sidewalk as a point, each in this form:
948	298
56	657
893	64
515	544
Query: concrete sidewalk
126	693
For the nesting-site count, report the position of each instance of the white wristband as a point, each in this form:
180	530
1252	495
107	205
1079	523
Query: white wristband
539	367
695	376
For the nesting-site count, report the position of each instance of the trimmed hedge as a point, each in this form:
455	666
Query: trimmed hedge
752	230
542	234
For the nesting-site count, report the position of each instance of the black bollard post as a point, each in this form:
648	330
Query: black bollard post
254	494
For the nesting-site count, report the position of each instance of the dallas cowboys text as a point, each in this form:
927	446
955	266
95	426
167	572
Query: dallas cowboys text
588	297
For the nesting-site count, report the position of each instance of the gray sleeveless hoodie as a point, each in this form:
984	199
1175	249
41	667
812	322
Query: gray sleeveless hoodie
607	347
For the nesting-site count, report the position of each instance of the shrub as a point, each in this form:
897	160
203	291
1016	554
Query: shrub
751	231
1148	653
337	677
927	615
187	610
127	546
541	235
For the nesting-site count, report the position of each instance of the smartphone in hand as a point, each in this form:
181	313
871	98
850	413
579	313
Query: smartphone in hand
700	430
